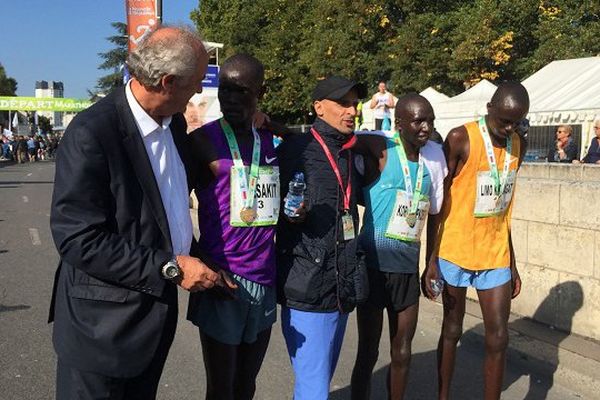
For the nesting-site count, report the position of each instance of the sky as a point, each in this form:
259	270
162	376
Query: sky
59	40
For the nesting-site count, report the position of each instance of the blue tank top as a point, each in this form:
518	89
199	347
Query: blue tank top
382	253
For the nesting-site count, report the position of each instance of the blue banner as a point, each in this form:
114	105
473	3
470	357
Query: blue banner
211	80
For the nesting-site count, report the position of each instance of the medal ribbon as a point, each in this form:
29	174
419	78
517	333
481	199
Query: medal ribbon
335	168
416	195
499	181
247	184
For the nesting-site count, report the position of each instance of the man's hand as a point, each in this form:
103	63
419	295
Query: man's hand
225	288
225	281
301	214
196	275
516	281
431	273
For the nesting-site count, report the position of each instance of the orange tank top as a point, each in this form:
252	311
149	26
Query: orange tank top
471	242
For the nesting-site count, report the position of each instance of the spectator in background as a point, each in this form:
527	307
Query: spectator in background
358	120
21	149
5	140
593	154
565	150
5	132
31	149
382	102
52	146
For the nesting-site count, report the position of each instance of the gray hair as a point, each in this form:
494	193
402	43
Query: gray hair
160	55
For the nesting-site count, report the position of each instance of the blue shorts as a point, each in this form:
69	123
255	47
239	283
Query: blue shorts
235	321
457	276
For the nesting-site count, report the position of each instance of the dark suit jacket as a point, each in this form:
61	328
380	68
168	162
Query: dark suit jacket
110	307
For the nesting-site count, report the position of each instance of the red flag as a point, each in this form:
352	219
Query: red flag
141	19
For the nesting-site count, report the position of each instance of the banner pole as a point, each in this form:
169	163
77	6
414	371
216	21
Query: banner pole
159	15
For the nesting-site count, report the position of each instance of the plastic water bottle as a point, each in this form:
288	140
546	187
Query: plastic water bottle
437	285
295	195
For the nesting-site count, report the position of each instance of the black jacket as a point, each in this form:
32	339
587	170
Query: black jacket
316	269
112	310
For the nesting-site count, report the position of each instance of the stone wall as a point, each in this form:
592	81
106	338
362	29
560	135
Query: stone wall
556	237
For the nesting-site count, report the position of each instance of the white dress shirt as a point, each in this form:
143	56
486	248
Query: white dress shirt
168	171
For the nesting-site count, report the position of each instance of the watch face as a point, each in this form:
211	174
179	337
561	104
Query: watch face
172	271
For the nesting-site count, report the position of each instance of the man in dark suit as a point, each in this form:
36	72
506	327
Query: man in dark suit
121	224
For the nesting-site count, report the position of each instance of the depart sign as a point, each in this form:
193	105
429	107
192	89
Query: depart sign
14	103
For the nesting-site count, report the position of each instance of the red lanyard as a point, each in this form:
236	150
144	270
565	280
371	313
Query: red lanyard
335	168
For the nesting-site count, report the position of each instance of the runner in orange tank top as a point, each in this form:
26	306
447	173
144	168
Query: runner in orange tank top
473	245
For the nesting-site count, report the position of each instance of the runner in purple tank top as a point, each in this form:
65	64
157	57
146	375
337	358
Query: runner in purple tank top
237	185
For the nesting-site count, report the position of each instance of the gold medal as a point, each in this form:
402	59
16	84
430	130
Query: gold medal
248	215
497	201
411	219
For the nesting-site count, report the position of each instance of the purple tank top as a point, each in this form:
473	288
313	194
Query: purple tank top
248	252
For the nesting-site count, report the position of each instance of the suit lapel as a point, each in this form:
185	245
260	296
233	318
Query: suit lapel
134	146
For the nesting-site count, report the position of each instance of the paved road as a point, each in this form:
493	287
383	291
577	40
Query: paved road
27	361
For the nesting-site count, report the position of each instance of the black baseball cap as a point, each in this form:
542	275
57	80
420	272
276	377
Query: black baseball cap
336	87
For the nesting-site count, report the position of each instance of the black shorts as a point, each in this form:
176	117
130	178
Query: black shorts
391	290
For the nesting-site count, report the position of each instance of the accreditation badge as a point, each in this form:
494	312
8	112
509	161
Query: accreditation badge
348	226
488	200
265	209
404	224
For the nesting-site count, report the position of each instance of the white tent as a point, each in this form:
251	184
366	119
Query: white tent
433	95
566	92
465	107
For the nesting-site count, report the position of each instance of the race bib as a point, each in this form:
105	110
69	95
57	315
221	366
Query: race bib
488	201
266	199
406	226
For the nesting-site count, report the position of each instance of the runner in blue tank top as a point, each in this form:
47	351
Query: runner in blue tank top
403	183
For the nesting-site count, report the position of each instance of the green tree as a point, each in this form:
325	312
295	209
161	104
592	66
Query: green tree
113	60
274	31
412	44
8	85
566	29
44	124
420	54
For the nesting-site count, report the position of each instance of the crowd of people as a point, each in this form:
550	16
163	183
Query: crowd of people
566	150
22	149
120	221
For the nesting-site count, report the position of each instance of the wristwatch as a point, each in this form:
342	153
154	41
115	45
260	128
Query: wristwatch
171	270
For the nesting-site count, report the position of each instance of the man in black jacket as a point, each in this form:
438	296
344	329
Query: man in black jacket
120	221
320	276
